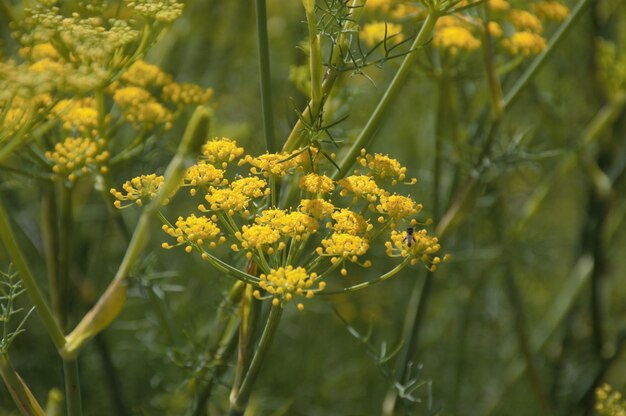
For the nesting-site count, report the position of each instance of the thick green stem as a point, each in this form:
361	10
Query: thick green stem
264	72
239	402
374	122
65	232
72	388
43	310
50	239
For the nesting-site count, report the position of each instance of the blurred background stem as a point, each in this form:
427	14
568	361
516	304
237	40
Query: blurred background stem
265	76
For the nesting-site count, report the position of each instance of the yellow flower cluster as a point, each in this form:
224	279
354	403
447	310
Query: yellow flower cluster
316	184
78	115
289	224
144	74
523	20
361	186
192	231
416	244
187	94
203	175
284	282
609	402
454	35
551	10
524	43
384	166
342	246
141	109
165	11
221	151
317	208
77	156
138	189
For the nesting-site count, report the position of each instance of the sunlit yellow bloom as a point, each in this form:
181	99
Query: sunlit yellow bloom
139	188
194	230
317	208
525	21
499	5
47	65
140	108
204	174
374	33
78	115
283	283
422	247
145	75
398	207
551	10
227	200
187	94
291	224
316	184
270	164
384	166
221	150
524	43
40	51
346	221
450	21
251	187
361	186
258	237
494	29
455	38
77	156
344	247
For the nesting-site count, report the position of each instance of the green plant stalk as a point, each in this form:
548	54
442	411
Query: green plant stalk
265	76
112	301
5	9
240	401
43	310
65	230
388	97
49	236
72	387
369	283
495	89
19	391
315	59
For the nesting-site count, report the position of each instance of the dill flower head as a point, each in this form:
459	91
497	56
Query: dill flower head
251	187
361	186
341	247
551	10
186	94
524	20
524	43
138	189
258	237
316	184
141	109
192	231
289	224
75	157
144	74
397	207
317	208
282	283
203	175
455	39
373	33
227	200
40	51
346	221
499	5
609	402
165	11
79	115
221	151
384	166
416	244
267	164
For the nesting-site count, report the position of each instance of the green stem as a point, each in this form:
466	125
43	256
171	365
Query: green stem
495	89
64	234
264	72
239	402
72	388
372	282
50	238
19	391
43	310
388	97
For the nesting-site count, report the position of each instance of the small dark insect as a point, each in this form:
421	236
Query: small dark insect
409	238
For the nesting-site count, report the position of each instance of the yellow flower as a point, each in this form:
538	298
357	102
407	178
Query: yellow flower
498	5
402	11
342	246
139	188
398	207
374	33
40	51
251	187
349	222
194	230
551	10
361	186
145	75
525	21
222	150
316	184
494	29
78	115
203	174
378	4
186	94
384	166
284	282
609	402
317	208
140	108
77	156
524	43
421	247
258	237
227	200
270	164
455	38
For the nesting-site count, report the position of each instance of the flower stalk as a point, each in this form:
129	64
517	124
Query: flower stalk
265	75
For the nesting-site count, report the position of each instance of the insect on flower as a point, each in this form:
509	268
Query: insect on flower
409	238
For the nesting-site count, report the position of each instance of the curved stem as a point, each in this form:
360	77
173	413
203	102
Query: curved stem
264	72
239	402
367	284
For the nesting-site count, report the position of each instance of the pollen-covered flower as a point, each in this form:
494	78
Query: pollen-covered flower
194	231
316	184
373	33
284	282
455	38
270	164
384	166
77	156
397	207
79	115
524	43
203	175
165	11
342	247
417	244
258	237
221	151
523	20
251	187
143	74
361	186
346	221
138	189
290	224
140	108
551	10
186	94
227	200
318	208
